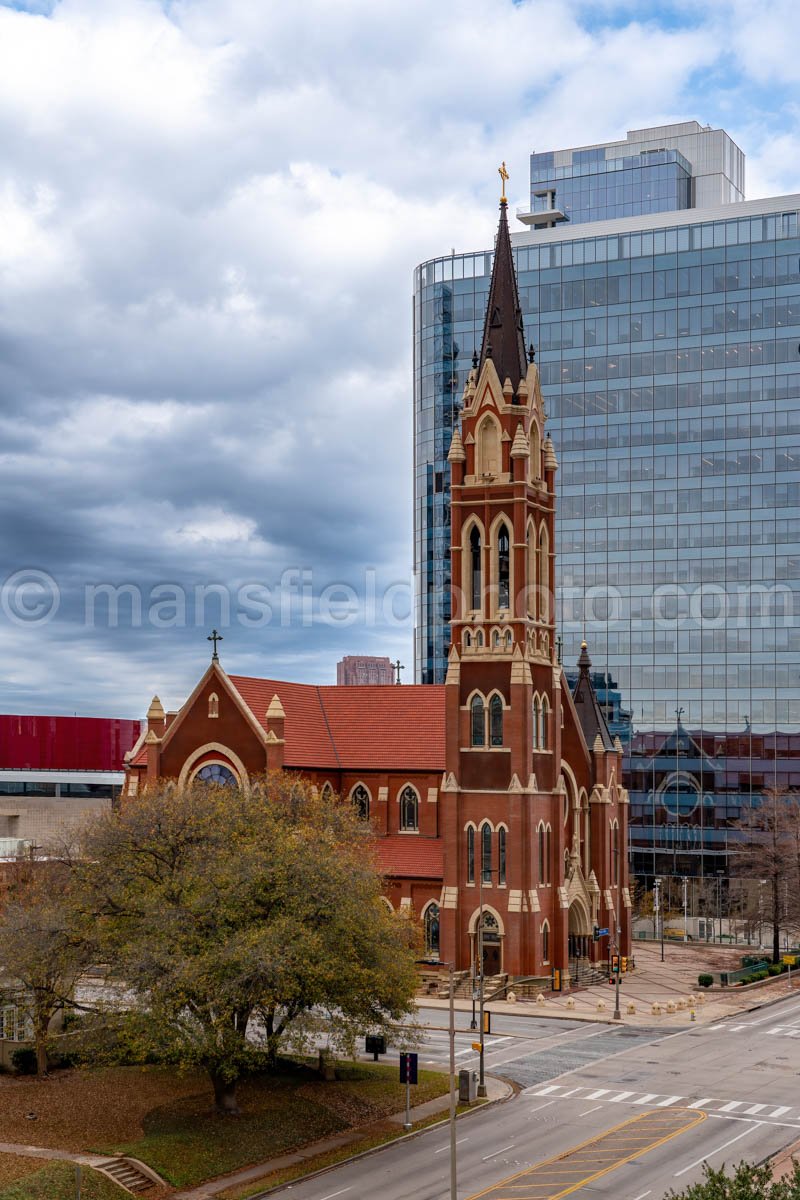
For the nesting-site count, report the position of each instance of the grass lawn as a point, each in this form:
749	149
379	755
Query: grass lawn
56	1181
167	1119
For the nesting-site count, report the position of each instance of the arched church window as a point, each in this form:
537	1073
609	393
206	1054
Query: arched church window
541	849
615	853
476	584
213	705
478	721
543	738
536	719
327	792
488	447
409	809
486	853
496	721
548	853
530	582
545	941
503	567
471	854
217	773
544	574
501	856
360	799
431	926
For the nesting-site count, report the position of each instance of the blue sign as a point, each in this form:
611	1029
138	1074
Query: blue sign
602	933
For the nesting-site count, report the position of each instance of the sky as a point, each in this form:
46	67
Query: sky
210	212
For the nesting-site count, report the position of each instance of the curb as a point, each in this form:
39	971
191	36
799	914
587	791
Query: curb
271	1191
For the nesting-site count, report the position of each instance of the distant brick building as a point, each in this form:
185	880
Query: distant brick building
497	793
363	670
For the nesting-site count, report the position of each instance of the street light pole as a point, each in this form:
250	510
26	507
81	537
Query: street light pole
481	1077
453	1172
685	910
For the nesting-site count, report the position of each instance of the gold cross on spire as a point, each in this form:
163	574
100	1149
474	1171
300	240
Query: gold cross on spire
503	173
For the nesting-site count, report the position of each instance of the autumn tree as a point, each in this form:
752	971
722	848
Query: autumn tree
767	853
43	952
231	916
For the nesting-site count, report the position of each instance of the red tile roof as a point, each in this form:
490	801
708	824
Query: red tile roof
411	856
377	728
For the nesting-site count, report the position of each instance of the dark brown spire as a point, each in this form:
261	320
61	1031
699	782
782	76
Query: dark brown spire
503	334
590	714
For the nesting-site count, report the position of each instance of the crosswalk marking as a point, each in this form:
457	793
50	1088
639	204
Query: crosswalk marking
712	1104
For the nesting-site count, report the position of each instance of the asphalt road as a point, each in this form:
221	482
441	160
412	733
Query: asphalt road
740	1076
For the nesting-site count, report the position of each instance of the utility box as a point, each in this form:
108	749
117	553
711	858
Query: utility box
467	1086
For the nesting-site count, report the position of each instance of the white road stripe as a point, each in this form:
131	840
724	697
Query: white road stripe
620	1096
643	1195
706	1100
597	1094
669	1100
753	1109
332	1194
500	1151
731	1117
571	1092
732	1105
724	1146
541	1106
647	1098
442	1149
548	1090
780	1111
590	1110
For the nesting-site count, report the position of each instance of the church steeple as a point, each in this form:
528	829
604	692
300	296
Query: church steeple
503	334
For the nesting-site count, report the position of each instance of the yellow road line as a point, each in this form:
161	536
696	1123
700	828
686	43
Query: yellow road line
559	1166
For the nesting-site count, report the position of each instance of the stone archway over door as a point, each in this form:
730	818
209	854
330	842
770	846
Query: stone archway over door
579	930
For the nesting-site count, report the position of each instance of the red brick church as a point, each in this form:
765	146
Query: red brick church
498	791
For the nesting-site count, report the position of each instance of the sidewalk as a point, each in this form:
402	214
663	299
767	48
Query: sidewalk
670	983
496	1089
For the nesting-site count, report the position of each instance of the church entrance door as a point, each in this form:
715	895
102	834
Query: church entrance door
491	959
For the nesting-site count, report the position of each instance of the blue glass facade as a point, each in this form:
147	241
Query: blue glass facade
670	364
596	188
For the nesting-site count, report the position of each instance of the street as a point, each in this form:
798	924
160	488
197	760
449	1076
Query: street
720	1093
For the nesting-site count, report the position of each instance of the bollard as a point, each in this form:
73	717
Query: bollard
631	1008
540	999
693	1016
570	1002
656	1009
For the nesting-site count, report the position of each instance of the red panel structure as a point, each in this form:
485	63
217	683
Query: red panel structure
37	743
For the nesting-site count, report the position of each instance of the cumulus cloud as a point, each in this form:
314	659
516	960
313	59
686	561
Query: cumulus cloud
209	216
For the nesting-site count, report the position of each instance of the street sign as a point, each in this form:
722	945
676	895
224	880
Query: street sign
476	1046
602	933
789	959
408	1068
375	1044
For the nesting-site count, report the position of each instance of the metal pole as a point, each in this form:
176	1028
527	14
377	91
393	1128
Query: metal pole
407	1124
453	1173
481	1077
685	910
77	1181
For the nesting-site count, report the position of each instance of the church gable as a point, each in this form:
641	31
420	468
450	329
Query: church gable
213	725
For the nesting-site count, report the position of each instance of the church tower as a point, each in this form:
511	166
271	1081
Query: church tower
512	808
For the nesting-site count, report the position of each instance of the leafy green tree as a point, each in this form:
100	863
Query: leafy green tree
232	918
745	1183
42	951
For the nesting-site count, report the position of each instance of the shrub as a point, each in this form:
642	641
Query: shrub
24	1060
705	980
775	969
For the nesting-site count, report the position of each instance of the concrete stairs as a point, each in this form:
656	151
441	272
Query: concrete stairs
130	1174
583	974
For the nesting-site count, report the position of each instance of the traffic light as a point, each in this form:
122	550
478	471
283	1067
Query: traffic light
624	965
596	933
615	963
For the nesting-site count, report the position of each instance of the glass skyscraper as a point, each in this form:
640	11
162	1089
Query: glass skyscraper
665	310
